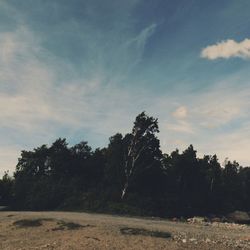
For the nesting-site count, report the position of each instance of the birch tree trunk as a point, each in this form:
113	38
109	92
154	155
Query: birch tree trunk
141	137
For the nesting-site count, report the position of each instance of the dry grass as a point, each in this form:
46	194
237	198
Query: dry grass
67	231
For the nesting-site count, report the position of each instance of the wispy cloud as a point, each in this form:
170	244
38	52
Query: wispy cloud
144	35
136	44
8	155
217	121
180	126
227	49
180	112
40	96
37	105
81	76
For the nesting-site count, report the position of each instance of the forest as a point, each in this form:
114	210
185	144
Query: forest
129	176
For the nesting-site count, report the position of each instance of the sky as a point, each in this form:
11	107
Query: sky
84	69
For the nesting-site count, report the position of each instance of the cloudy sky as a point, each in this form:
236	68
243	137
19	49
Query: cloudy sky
83	69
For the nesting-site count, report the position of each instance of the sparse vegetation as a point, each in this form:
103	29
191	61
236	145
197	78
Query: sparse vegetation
144	232
69	225
28	223
100	231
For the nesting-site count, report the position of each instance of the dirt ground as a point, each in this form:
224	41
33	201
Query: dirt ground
67	230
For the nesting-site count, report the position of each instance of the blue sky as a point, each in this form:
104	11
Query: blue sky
84	69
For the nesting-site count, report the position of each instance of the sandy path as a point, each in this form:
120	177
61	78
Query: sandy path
103	232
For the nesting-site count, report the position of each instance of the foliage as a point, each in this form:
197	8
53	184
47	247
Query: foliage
129	176
6	189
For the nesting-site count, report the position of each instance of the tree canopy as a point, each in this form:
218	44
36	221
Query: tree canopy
130	175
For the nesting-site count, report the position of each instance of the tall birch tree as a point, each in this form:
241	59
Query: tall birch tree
142	148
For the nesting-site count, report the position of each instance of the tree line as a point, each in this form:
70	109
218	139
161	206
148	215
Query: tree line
131	175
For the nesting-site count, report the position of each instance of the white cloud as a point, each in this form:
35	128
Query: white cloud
180	113
227	49
181	123
217	121
180	126
223	104
233	145
8	158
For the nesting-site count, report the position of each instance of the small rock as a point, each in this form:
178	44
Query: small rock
192	239
207	240
198	220
184	240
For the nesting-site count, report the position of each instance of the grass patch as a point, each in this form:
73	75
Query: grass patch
144	232
63	225
70	225
30	222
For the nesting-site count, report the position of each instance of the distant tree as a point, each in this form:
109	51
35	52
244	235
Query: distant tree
192	184
213	193
31	167
6	189
59	160
80	155
114	168
232	186
33	163
244	175
95	168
